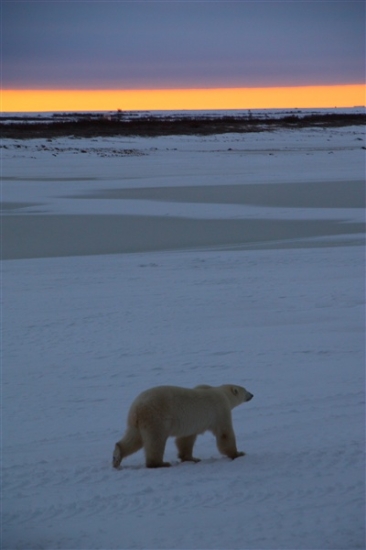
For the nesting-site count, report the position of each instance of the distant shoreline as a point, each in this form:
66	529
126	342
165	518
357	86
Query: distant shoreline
86	125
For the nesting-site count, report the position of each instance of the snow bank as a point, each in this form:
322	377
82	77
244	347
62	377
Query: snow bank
82	336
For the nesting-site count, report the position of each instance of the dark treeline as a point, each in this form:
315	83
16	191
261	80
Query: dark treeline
118	124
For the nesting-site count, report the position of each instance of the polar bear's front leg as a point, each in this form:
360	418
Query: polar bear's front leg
185	448
226	443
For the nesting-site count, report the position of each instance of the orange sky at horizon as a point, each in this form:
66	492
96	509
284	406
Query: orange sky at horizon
351	95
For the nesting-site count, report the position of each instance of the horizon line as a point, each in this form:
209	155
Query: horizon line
174	99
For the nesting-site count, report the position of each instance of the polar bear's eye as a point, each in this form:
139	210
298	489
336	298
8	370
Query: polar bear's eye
235	391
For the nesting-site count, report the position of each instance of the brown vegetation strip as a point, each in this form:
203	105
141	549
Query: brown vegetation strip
84	125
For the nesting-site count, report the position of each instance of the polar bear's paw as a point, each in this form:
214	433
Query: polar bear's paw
239	453
189	459
155	464
117	457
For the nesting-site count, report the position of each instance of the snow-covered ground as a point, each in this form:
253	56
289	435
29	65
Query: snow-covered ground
84	334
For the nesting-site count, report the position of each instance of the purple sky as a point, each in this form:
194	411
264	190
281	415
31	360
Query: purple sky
173	44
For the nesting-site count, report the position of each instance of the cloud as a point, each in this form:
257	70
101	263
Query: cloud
181	44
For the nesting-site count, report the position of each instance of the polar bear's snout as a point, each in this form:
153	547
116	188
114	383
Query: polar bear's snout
249	396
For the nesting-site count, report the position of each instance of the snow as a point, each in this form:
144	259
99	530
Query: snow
83	335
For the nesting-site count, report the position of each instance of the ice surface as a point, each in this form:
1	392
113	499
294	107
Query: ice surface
83	335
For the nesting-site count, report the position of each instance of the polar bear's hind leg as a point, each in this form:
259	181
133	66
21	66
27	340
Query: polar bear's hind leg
130	443
154	446
185	448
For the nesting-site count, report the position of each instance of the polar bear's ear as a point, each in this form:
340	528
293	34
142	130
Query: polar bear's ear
234	390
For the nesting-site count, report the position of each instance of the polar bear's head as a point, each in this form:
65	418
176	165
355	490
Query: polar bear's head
236	394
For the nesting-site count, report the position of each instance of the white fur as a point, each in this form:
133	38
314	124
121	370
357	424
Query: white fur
183	413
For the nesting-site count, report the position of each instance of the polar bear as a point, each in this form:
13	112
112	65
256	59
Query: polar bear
183	413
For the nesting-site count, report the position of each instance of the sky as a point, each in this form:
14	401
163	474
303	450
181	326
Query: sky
152	45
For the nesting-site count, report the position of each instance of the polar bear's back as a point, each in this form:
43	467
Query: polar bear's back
180	411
